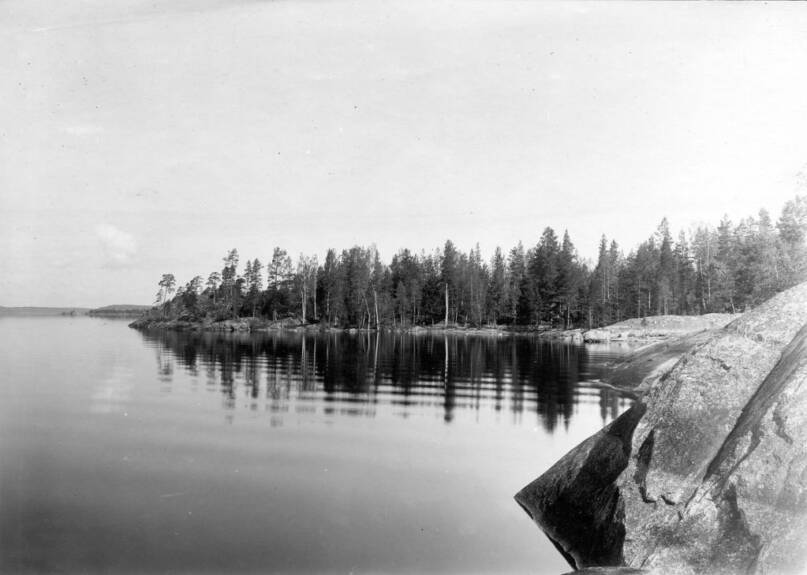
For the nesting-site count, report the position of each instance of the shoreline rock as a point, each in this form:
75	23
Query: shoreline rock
707	471
658	327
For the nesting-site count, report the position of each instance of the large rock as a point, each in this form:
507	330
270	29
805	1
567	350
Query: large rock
707	472
657	327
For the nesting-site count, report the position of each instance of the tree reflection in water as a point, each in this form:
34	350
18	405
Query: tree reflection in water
353	373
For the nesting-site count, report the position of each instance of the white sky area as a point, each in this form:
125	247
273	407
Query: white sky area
146	137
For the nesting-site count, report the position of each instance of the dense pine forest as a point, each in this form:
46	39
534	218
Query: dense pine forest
726	269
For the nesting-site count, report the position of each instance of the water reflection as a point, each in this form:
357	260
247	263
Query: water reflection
113	391
354	374
281	453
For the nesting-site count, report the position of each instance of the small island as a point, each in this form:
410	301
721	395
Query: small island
119	310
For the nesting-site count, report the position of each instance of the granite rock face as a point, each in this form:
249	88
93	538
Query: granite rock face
707	472
657	327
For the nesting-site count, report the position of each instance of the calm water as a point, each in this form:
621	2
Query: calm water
165	452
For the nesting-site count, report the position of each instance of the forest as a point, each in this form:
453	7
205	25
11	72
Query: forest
730	268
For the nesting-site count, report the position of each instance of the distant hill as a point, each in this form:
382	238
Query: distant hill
120	310
42	311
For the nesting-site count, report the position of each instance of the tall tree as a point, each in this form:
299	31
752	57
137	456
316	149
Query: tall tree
449	274
726	264
279	279
357	263
517	283
190	295
475	290
306	281
683	287
543	272
331	288
664	279
166	283
497	288
704	247
568	280
229	278
407	285
615	264
599	287
213	283
792	226
379	285
253	277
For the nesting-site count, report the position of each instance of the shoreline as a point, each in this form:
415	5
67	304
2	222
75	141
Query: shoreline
647	330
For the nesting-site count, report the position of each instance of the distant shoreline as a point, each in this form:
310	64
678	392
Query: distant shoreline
117	310
34	311
120	311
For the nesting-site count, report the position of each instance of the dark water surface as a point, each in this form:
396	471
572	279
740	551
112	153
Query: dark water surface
125	452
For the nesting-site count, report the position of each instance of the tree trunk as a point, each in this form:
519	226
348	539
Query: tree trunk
375	301
446	324
367	309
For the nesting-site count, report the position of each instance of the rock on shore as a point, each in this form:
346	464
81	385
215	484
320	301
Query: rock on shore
707	472
657	327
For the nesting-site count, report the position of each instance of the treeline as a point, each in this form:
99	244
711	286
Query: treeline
727	269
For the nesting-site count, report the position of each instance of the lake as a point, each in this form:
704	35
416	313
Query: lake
161	452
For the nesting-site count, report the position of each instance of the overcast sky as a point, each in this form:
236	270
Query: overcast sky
145	137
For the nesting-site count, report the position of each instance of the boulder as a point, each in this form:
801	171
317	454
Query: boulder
597	336
707	471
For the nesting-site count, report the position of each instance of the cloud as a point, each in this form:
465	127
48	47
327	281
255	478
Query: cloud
118	247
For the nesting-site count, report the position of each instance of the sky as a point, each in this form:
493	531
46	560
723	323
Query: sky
148	137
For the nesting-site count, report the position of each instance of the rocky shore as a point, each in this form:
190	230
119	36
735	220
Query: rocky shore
657	327
239	325
618	334
707	471
646	330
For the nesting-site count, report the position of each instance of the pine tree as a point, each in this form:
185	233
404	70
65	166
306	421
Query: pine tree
599	295
792	226
516	283
567	281
497	288
229	279
449	274
543	272
726	265
683	288
665	268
